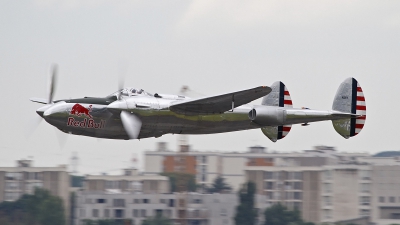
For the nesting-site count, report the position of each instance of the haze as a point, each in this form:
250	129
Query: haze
211	46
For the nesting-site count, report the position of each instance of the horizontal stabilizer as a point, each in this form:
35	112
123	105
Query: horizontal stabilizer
39	100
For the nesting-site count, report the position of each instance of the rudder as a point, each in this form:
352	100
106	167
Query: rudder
350	98
279	97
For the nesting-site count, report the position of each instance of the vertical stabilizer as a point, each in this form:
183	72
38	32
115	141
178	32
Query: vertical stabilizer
350	99
279	97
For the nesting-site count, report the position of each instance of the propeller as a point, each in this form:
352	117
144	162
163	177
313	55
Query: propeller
52	83
132	124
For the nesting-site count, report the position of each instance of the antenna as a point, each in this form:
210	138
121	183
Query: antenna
74	163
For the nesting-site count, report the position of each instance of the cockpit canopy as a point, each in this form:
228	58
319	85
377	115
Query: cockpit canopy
130	92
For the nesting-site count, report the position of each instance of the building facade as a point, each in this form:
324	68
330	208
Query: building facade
333	193
24	178
133	208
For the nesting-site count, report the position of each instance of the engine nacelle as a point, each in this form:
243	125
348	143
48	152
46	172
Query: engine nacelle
267	116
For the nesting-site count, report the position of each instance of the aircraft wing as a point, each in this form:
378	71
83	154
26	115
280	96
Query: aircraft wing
219	103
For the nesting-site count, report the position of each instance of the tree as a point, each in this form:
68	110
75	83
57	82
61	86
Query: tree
158	220
245	212
41	208
219	185
181	181
280	215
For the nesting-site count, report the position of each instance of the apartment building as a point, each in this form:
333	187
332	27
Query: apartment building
182	208
333	193
24	178
130	181
385	198
231	165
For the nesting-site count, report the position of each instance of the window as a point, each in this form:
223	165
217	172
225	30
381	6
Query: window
11	196
327	214
297	195
297	205
119	213
119	203
364	187
143	213
327	201
101	200
268	175
146	201
204	159
106	213
136	201
95	213
298	175
364	212
269	185
162	201
13	176
392	199
364	200
197	201
223	212
135	213
112	184
297	185
82	213
277	175
289	195
328	174
327	188
269	194
12	185
381	199
365	174
171	203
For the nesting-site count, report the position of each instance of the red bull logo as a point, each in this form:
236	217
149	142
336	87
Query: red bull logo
79	110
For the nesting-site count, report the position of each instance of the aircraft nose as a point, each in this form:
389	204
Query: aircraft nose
40	111
57	109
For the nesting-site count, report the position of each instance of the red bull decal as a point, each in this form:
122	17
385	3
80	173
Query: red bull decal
79	110
85	123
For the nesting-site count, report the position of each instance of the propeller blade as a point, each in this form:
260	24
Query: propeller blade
52	83
132	124
32	124
61	138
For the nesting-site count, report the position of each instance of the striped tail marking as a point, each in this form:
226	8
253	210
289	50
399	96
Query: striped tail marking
358	108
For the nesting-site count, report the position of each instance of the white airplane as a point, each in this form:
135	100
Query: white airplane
132	113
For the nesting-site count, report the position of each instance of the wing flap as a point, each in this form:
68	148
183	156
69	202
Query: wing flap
219	103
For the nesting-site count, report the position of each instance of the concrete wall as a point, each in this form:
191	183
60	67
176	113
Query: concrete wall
345	194
311	196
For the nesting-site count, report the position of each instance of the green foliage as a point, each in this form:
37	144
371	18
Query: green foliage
158	220
41	208
76	181
280	215
245	212
219	186
106	222
181	181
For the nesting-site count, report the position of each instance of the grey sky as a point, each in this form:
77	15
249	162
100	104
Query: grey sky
211	46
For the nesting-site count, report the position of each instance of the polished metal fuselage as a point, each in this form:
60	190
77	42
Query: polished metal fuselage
103	120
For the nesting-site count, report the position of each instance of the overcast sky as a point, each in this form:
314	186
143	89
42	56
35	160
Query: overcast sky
211	46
